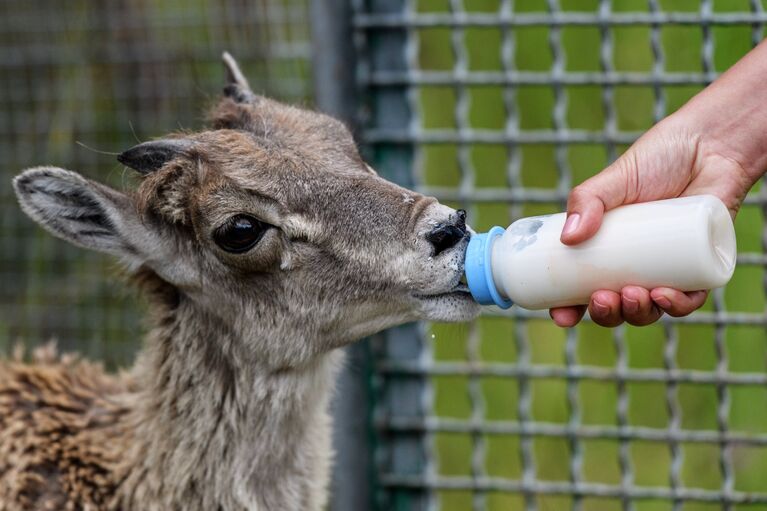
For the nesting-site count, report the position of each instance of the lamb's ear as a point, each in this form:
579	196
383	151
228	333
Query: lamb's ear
237	86
149	156
82	212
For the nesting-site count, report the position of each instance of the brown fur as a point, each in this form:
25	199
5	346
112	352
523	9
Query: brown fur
61	424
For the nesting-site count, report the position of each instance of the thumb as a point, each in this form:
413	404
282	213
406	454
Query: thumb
588	202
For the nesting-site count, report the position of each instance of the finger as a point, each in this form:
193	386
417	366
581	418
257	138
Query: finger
677	303
567	316
588	201
605	308
637	307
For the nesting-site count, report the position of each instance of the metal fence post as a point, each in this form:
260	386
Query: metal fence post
336	93
391	108
333	63
333	59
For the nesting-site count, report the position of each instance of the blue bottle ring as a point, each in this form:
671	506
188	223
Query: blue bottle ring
479	271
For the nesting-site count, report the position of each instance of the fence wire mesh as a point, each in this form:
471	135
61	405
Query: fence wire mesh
500	107
107	75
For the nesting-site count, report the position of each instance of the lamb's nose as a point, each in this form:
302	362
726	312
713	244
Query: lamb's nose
445	236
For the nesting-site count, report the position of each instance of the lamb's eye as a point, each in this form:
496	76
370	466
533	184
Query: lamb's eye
239	234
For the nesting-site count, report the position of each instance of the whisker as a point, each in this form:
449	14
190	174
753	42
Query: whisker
95	150
130	124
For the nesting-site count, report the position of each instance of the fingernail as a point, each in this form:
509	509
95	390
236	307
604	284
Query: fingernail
630	305
663	302
600	308
571	224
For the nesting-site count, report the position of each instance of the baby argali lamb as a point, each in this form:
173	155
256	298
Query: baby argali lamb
265	244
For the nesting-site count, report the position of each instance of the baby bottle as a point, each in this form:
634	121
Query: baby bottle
687	243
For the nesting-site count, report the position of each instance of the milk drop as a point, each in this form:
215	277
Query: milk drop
687	243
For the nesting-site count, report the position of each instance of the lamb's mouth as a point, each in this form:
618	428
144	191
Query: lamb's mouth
460	289
451	305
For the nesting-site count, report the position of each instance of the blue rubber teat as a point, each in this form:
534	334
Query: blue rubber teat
479	272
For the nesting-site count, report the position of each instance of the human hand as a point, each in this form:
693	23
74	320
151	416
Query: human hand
670	160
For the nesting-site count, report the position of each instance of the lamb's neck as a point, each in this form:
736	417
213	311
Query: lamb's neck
217	430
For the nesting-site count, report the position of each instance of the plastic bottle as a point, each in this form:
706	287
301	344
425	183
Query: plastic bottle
686	243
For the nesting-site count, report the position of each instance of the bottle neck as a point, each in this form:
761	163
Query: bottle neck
479	269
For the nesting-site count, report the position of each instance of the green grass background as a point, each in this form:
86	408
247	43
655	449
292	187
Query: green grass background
682	47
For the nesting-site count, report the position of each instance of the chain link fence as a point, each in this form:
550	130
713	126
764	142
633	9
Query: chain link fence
83	80
496	106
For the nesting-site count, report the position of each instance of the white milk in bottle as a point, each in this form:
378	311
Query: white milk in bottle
687	243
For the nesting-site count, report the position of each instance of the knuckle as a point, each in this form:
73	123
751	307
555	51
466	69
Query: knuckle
627	167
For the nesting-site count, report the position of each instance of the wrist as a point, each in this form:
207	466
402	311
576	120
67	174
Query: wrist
730	138
728	116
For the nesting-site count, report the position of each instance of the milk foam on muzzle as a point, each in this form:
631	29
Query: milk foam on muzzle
687	243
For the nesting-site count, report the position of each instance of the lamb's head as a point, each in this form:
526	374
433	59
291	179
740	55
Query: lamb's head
270	220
